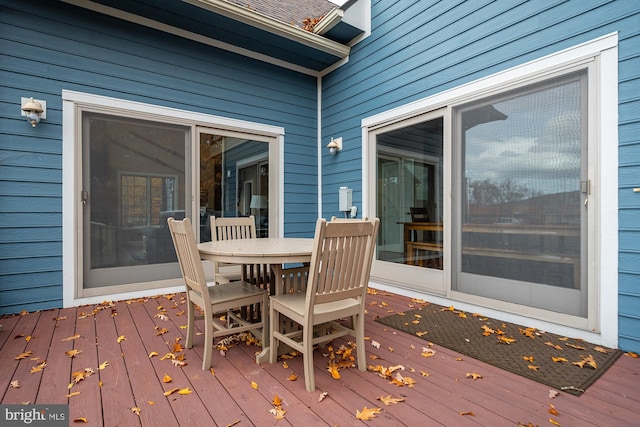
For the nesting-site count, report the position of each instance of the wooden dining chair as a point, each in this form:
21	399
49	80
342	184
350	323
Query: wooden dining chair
229	228
225	298
336	288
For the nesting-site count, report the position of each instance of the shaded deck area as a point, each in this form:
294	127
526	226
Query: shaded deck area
121	359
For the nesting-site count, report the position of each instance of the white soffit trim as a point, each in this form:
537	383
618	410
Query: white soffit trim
258	20
169	29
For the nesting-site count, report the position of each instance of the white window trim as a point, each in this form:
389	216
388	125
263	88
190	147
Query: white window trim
72	104
602	326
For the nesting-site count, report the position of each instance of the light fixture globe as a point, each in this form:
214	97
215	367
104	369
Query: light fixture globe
32	109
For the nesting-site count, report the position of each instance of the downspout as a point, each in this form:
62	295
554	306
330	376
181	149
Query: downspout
319	137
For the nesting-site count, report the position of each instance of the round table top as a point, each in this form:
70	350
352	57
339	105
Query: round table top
272	250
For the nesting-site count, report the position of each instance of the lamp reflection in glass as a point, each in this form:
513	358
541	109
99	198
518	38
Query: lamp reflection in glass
260	202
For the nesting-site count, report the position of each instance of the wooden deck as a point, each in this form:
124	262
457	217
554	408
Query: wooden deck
131	379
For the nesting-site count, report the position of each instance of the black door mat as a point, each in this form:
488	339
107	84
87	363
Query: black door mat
566	364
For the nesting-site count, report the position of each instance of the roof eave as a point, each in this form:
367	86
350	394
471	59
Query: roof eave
259	20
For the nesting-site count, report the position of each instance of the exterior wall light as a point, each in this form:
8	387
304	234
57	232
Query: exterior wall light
33	110
335	145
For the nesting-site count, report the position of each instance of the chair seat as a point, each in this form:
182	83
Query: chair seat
294	304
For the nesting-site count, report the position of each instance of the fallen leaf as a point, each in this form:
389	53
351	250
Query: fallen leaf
185	391
75	393
553	394
73	353
601	349
428	352
632	354
80	420
178	363
278	413
553	410
170	392
121	338
424	373
388	400
39	368
152	354
254	385
554	422
473	375
467	413
322	396
23	355
558	359
376	344
589	361
550	344
135	410
151	402
166	379
73	337
292	377
528	359
162	331
334	372
577	347
103	365
533	367
15	384
506	340
276	401
367	413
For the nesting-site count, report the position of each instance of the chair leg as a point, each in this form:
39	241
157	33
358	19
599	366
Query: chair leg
274	319
208	340
358	326
190	323
265	321
307	358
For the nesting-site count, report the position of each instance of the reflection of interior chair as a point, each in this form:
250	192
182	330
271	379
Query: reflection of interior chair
336	288
419	214
220	298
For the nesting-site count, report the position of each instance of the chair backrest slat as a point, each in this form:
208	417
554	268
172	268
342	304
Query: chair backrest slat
341	260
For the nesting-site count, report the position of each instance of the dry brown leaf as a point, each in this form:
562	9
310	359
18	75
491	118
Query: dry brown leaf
556	346
75	393
367	413
166	379
577	347
389	400
601	349
554	422
589	361
276	401
278	413
632	354
152	354
73	337
39	368
80	420
170	392
254	385
292	377
162	331
553	410
185	391
473	375
424	373
135	410
421	333
467	413
23	355
559	359
528	359
14	384
375	344
121	338
73	353
178	363
322	396
533	367
553	394
103	365
506	340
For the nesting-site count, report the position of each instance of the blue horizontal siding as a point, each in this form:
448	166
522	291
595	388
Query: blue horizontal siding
421	48
49	47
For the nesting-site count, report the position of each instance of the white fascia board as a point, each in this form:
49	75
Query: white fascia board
169	29
259	20
329	21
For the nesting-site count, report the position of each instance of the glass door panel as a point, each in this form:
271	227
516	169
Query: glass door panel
522	217
134	178
408	196
234	180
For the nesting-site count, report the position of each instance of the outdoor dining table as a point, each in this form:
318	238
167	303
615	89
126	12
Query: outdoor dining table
273	250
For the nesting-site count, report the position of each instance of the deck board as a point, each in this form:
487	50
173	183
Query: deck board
225	397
